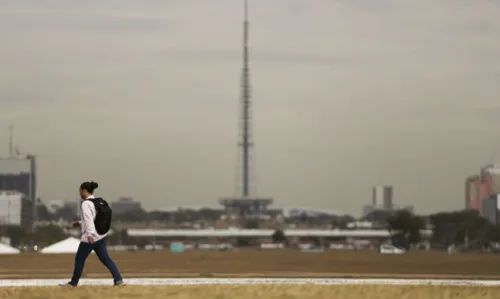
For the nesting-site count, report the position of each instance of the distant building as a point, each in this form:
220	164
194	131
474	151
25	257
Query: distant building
18	173
490	208
380	215
481	187
382	200
471	191
15	209
291	212
490	175
382	197
125	205
246	207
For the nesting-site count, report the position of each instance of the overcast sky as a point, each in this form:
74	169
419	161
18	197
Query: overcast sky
143	97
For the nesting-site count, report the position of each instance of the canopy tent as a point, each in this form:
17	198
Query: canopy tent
6	249
69	245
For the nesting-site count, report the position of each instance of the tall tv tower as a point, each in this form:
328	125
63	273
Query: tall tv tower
245	206
245	97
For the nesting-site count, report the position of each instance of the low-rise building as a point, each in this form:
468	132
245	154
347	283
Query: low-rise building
15	209
490	208
125	205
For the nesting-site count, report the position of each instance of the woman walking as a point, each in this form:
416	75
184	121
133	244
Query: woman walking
94	224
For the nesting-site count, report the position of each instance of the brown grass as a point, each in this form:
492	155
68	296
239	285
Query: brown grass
250	292
254	263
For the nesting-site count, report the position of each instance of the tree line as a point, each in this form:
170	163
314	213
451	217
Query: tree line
458	227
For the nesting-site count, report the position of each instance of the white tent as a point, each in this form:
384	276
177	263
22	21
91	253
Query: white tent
6	249
69	245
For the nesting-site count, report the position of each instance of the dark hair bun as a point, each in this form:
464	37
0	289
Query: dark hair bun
94	185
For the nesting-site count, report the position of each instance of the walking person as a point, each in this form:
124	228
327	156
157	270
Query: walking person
95	223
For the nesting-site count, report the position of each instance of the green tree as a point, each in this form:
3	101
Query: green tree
493	233
43	214
279	236
405	227
135	216
45	235
66	212
456	227
119	237
243	242
252	224
15	233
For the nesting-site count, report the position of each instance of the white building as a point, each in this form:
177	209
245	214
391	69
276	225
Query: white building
15	209
382	197
492	173
18	173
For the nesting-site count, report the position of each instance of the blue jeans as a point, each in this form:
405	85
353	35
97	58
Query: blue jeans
102	253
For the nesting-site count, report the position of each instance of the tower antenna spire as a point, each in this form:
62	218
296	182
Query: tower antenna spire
11	141
246	11
246	143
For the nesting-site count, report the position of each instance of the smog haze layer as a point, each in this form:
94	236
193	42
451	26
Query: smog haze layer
143	97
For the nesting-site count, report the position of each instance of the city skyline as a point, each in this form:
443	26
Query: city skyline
346	94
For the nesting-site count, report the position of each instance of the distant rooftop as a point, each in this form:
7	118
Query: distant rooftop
10	194
260	233
125	198
245	201
192	208
492	168
15	165
297	211
287	211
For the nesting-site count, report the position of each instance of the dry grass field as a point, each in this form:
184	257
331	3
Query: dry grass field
255	291
254	263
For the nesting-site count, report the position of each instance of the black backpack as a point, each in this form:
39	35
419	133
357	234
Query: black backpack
103	216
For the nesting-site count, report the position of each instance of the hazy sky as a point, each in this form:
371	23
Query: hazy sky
143	97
